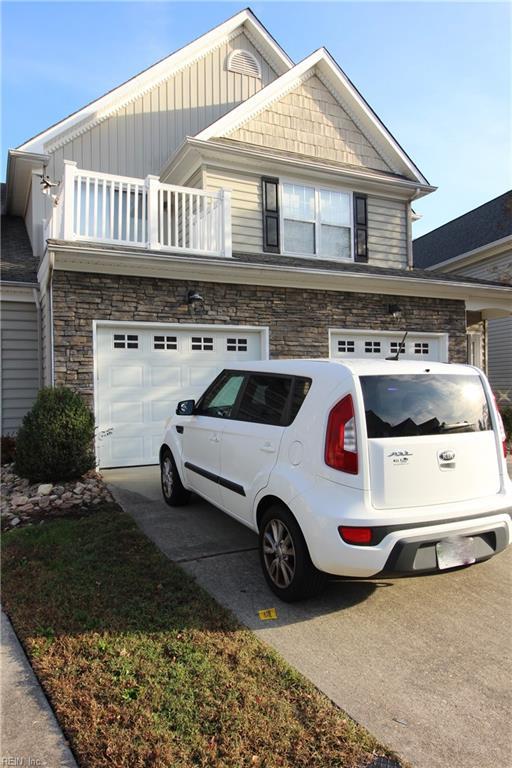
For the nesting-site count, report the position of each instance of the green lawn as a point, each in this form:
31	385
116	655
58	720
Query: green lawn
143	668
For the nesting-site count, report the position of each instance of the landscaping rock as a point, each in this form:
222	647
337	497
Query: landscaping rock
44	502
45	489
19	501
15	521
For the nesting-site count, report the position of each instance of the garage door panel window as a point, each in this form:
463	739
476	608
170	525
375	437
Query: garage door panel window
125	341
202	343
345	345
421	348
372	347
236	345
165	342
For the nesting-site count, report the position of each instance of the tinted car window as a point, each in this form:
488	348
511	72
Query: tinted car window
300	389
424	404
220	398
265	399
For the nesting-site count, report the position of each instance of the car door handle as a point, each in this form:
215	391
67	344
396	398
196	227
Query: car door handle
214	438
267	448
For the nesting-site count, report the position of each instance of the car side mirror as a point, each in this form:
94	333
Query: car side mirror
185	407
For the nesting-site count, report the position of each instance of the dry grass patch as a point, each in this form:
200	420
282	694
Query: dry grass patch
143	668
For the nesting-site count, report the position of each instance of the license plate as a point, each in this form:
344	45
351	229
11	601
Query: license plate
455	551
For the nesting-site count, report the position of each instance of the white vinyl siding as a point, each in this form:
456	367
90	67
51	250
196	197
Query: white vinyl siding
142	136
20	362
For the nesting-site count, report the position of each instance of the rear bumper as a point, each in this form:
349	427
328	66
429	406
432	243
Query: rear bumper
419	555
398	546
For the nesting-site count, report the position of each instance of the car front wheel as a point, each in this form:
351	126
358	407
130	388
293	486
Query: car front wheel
174	493
285	559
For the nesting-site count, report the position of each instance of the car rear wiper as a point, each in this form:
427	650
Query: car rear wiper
444	427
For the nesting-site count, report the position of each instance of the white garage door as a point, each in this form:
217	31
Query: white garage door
143	371
382	344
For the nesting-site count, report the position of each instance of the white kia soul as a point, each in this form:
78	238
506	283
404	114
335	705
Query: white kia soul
352	468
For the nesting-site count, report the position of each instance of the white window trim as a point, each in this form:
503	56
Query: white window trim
317	221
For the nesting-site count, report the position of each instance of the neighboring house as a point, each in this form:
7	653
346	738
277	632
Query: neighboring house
479	244
225	204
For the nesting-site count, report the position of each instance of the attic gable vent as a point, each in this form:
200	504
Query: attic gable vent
244	62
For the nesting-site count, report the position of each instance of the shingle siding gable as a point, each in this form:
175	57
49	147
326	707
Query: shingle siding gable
309	121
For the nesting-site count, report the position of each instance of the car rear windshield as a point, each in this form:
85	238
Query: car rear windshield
424	404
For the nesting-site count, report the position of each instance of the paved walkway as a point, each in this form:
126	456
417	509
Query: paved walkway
421	662
30	734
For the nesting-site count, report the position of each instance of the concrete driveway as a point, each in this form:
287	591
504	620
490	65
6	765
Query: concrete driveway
424	663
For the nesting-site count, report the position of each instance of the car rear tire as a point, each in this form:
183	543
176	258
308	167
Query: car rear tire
173	491
285	559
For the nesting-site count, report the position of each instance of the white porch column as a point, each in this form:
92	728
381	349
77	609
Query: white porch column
153	186
68	212
226	227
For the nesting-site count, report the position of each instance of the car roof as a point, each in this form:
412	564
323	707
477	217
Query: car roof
356	366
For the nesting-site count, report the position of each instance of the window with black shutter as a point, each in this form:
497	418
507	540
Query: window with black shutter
270	198
360	228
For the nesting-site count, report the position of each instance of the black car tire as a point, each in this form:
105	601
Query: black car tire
285	559
173	491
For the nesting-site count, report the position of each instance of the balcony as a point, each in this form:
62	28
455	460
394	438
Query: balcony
142	213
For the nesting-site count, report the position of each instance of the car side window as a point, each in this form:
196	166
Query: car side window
265	400
219	400
301	387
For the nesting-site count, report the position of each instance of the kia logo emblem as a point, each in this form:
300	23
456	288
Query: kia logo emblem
447	455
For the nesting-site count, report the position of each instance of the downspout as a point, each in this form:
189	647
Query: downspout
35	293
410	255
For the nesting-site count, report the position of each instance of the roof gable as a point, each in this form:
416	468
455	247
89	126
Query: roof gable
321	65
132	89
310	121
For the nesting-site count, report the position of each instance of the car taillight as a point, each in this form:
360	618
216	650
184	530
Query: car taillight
341	440
501	428
352	535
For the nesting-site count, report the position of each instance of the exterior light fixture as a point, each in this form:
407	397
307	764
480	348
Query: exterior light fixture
194	297
395	311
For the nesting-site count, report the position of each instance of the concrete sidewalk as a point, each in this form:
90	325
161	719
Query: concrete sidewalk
30	734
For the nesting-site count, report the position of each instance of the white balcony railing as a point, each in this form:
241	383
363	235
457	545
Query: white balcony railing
145	213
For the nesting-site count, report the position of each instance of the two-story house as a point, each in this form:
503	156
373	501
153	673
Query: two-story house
225	204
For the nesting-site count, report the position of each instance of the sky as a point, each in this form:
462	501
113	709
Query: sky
438	74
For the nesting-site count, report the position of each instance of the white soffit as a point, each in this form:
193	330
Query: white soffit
321	63
98	110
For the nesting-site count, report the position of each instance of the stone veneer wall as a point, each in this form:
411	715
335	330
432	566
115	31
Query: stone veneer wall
298	319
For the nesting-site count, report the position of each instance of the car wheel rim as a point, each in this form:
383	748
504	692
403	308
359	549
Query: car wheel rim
279	553
167	479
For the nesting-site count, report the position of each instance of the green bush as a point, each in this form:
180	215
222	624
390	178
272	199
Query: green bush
506	415
56	438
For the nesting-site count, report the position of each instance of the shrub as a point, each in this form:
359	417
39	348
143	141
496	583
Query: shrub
8	449
506	415
55	440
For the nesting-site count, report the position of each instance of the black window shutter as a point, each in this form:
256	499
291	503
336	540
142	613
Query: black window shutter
270	200
360	228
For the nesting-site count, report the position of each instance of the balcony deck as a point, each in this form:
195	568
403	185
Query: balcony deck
118	210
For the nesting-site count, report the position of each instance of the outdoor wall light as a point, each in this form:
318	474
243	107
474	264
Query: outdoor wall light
193	297
395	311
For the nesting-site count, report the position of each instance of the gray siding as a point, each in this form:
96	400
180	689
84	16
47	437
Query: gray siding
387	240
387	232
142	136
499	363
246	204
20	362
497	268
